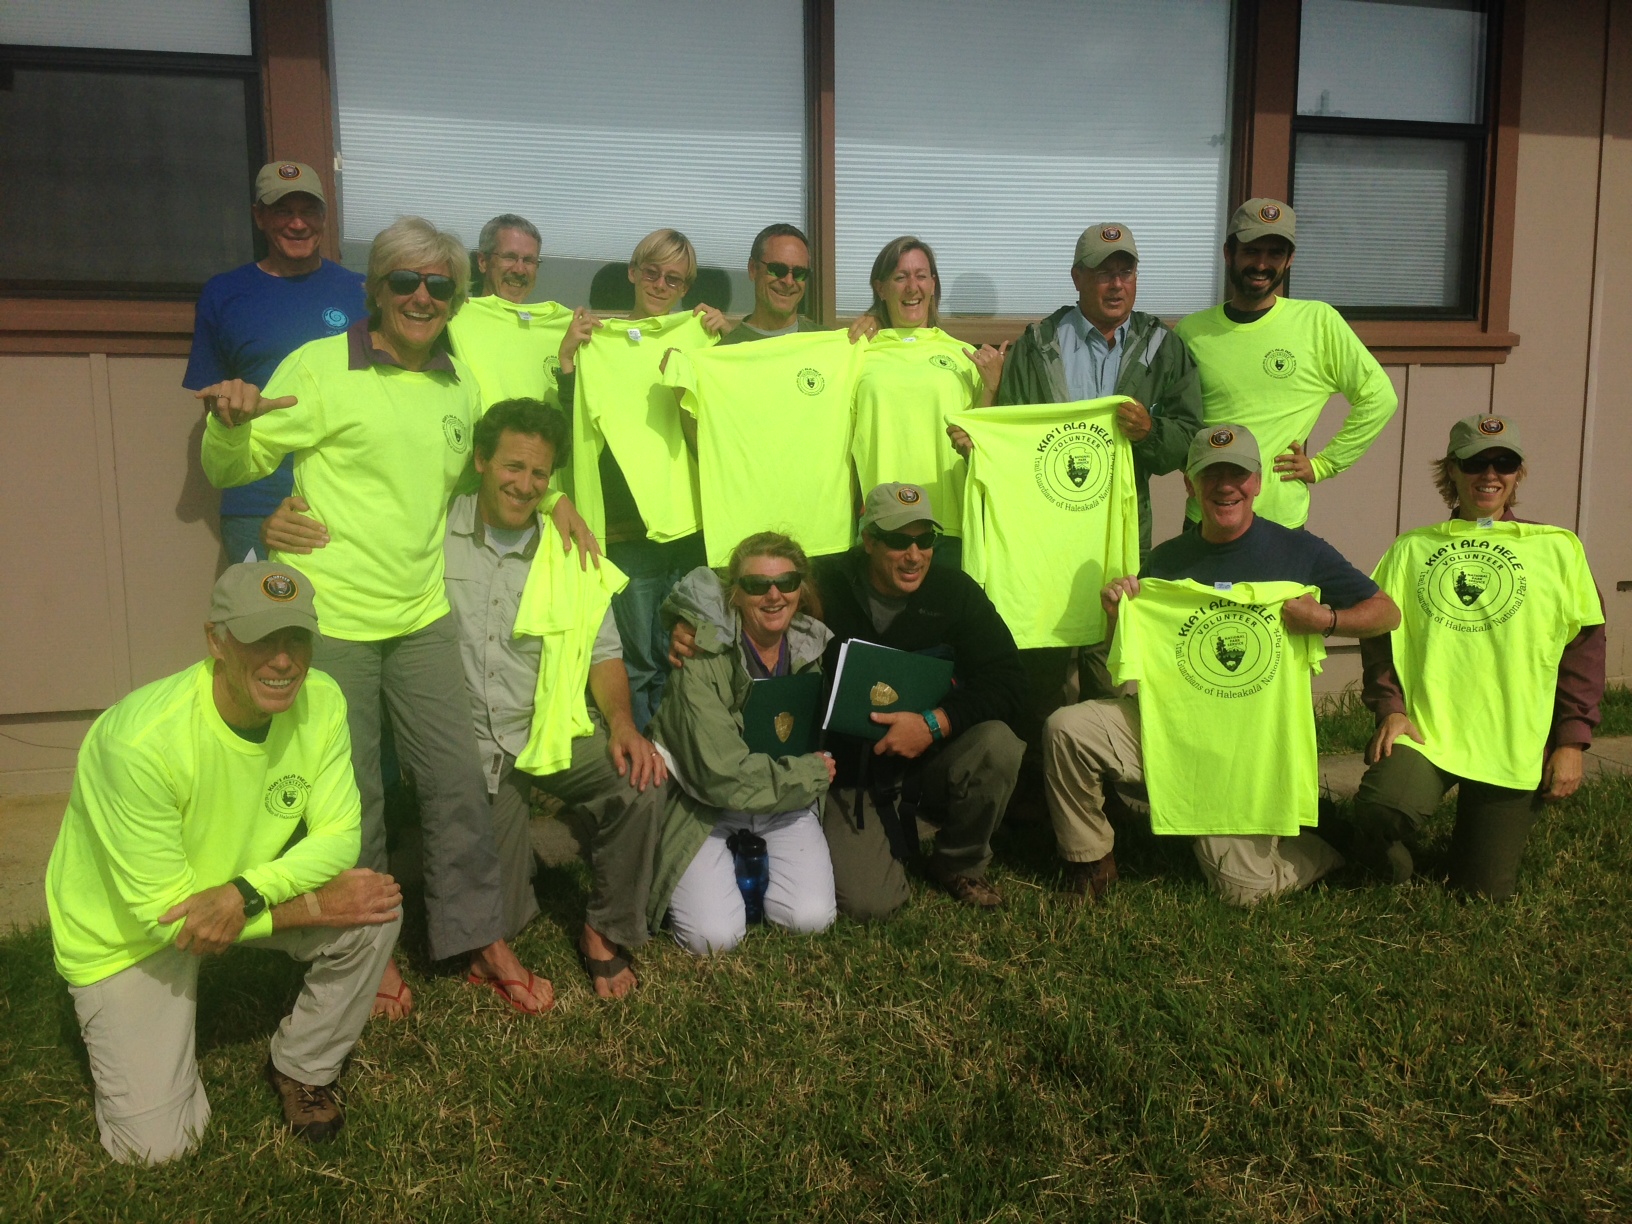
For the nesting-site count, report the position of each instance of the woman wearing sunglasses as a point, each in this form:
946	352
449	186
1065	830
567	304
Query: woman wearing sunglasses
1492	681
913	376
727	788
379	420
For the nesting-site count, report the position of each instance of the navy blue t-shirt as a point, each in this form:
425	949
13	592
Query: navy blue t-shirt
1265	552
247	322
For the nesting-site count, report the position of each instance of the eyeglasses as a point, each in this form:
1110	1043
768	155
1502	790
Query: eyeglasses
510	257
653	275
900	541
1106	275
760	584
402	282
780	270
1505	463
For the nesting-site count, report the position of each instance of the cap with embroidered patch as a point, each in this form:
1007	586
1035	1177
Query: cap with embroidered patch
278	179
1262	217
1099	242
1481	432
255	598
1222	444
890	507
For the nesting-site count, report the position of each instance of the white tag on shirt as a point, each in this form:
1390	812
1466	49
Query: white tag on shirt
1485	522
634	335
526	316
1222	586
909	339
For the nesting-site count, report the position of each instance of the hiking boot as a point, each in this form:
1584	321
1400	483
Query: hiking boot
1090	880
311	1110
972	890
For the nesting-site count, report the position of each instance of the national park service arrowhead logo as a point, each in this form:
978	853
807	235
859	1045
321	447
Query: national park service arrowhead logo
1230	650
810	381
1270	213
1491	425
1472	584
1072	464
883	695
457	433
1278	363
286	798
783	723
279	587
552	367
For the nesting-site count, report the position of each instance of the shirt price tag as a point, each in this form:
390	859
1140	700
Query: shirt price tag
634	335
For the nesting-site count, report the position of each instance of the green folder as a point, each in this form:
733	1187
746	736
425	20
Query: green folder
874	679
780	717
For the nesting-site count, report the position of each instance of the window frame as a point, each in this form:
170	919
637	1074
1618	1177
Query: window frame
292	50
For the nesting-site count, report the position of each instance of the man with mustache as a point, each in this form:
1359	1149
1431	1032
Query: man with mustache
1271	363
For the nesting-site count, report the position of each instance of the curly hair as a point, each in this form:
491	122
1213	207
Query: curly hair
524	416
1445	483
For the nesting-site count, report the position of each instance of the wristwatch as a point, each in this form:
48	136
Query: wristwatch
254	903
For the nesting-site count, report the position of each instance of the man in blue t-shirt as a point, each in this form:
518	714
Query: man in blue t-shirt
248	320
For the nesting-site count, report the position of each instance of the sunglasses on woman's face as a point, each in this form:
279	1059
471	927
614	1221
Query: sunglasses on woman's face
900	541
780	270
404	283
760	584
1505	463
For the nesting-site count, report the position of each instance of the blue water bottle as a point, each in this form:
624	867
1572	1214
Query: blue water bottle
753	871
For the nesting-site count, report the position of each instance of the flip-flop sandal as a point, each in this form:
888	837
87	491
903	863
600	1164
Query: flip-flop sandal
608	968
501	988
393	998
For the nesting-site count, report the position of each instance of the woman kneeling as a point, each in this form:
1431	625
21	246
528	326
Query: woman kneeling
727	788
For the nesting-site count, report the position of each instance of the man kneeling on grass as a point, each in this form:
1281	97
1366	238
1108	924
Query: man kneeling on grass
213	806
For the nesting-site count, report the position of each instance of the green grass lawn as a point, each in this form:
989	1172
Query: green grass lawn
1353	1053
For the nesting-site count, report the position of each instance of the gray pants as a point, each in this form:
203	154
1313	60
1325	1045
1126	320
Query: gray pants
964	788
422	680
625	821
138	1030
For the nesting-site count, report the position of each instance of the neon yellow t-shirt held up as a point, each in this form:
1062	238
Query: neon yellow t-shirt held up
1050	515
1226	716
773	438
513	349
1486	612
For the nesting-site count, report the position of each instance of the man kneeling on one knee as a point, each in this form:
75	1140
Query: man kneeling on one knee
215	806
1088	744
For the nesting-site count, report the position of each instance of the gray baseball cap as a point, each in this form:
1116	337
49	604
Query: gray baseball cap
1099	242
255	598
891	507
1222	444
278	179
1481	432
1260	217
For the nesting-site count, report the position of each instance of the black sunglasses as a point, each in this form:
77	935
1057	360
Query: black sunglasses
760	584
402	282
900	541
779	270
1505	463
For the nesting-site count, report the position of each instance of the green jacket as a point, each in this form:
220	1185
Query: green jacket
700	724
1157	370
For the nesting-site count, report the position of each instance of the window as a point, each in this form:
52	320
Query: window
598	123
997	136
129	136
1389	156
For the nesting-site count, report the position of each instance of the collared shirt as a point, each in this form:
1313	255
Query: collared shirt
1092	364
362	352
501	671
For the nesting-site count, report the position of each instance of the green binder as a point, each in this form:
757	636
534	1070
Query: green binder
874	679
780	717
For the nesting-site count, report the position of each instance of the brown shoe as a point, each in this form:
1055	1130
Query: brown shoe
972	890
311	1110
1090	880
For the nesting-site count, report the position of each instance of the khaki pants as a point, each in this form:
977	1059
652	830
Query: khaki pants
1088	744
138	1029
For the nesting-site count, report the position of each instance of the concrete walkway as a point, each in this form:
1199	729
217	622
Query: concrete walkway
28	827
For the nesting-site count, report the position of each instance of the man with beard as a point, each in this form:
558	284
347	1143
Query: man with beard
1271	363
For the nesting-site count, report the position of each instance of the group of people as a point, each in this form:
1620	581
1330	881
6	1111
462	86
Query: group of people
475	523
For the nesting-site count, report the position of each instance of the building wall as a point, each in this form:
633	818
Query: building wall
111	543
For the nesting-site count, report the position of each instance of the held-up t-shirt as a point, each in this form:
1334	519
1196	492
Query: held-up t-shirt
1274	375
1486	611
1226	716
911	380
246	322
1050	515
513	349
623	406
168	801
773	438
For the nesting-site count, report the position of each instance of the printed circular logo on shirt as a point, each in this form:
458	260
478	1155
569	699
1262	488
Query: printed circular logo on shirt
335	319
288	171
943	361
1229	649
287	796
552	366
810	381
280	587
1278	363
457	432
1073	464
1472	585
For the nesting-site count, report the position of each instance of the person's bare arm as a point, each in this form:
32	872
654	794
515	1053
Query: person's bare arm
633	755
1370	617
211	920
289	529
355	897
574	530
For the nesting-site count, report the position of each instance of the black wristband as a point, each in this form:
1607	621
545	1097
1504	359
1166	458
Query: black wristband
254	903
1331	628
